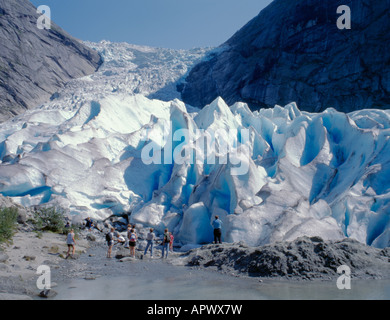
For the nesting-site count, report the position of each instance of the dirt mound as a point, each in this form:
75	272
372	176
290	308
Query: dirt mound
304	258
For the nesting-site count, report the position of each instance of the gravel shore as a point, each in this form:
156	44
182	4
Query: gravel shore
302	259
20	259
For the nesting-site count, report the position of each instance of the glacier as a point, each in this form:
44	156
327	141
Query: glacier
309	174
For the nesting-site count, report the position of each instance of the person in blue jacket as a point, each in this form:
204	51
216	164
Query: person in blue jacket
217	225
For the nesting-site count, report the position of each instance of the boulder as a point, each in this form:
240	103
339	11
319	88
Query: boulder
91	237
47	293
3	257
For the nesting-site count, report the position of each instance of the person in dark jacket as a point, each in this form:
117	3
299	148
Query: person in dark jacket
217	225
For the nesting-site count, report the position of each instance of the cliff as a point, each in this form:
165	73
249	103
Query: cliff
35	63
293	51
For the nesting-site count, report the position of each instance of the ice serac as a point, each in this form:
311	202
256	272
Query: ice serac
293	51
307	174
312	174
35	63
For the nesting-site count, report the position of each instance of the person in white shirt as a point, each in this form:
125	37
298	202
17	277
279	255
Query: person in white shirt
132	242
119	238
71	242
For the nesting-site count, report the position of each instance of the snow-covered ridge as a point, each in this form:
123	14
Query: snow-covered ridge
323	174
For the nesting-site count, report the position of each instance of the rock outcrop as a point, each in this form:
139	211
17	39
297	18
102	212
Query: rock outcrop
35	63
293	51
303	258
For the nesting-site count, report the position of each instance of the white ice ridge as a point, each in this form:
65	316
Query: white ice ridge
325	174
321	174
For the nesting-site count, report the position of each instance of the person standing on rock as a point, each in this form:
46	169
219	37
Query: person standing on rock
149	239
71	242
165	244
89	224
110	241
217	225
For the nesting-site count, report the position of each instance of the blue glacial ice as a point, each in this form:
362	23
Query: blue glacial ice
325	174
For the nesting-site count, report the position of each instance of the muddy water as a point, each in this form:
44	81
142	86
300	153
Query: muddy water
163	280
193	288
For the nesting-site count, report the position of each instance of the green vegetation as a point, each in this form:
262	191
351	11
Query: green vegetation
8	223
49	219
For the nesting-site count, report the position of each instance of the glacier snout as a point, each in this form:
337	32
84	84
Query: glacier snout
306	174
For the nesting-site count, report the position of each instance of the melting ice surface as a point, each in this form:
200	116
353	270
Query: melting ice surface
325	174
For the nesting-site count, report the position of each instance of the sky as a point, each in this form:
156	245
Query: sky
176	24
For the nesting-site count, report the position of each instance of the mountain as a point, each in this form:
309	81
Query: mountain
293	51
88	150
35	63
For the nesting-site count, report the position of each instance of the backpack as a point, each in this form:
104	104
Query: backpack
108	237
167	238
133	237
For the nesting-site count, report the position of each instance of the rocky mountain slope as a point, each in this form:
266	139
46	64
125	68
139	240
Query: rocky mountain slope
293	51
34	63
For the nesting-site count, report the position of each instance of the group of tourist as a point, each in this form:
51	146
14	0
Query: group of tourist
113	237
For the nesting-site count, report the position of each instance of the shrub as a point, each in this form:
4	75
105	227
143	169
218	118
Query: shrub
8	223
49	219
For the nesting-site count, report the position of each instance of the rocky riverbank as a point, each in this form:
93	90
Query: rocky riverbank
302	259
20	259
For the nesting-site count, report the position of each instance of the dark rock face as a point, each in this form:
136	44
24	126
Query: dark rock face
35	63
293	51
